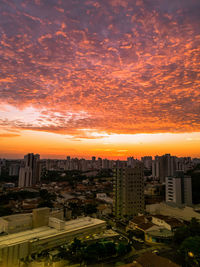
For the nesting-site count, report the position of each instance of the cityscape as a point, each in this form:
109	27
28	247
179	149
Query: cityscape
99	133
64	212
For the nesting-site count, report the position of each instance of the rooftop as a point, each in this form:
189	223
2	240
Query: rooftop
171	221
18	217
46	231
158	231
149	259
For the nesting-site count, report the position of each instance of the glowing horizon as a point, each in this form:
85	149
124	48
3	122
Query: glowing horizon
109	78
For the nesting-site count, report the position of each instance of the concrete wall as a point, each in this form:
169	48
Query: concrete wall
40	217
15	223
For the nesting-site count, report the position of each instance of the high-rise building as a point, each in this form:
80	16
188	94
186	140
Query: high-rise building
147	160
105	164
130	161
163	166
128	191
14	169
99	164
29	173
179	189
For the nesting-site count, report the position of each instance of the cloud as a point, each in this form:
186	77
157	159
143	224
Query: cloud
128	66
5	135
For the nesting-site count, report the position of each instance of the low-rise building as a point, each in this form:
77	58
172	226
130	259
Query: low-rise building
167	222
184	213
156	229
150	259
19	246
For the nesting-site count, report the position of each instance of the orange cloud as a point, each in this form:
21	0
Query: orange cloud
117	66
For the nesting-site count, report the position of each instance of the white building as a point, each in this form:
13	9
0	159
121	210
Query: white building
179	190
29	174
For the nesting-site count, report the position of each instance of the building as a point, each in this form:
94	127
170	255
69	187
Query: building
131	161
147	161
14	169
156	229
151	259
29	173
167	222
181	213
128	191
50	233
26	221
179	189
163	166
103	197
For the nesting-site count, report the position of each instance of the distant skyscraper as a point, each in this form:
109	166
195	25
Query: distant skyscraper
163	166
14	169
130	162
105	164
99	164
179	189
128	191
29	173
147	160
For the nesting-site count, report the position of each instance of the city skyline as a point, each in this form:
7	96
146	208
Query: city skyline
110	78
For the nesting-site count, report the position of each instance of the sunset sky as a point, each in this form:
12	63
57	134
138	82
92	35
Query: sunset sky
109	78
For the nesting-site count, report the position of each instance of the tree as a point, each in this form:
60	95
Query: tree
47	204
90	209
181	234
121	249
110	248
194	227
5	211
195	175
190	249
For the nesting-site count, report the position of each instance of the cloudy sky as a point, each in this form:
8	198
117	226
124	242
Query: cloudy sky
99	77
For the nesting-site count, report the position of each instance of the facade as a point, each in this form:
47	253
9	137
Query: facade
128	191
179	190
29	173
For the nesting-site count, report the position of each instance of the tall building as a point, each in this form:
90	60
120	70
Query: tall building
147	160
128	191
179	189
130	161
163	166
14	169
99	164
29	173
105	164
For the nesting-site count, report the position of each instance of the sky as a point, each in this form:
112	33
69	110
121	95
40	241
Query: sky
109	78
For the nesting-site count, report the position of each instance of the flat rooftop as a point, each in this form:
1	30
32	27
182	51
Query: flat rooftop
18	217
47	232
